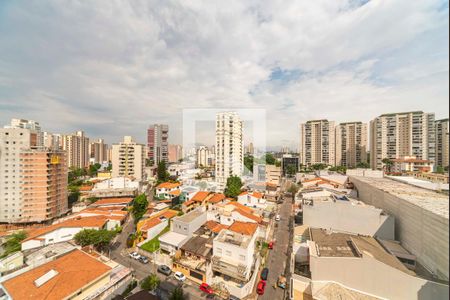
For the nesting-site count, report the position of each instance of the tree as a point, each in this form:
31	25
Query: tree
269	159
363	165
293	188
233	188
177	294
248	163
13	243
162	173
388	163
98	238
140	205
319	166
291	170
440	170
150	283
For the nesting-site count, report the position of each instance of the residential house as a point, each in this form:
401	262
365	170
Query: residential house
11	262
155	224
199	199
253	199
168	190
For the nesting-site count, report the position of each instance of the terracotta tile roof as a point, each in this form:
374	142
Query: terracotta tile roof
241	206
189	202
85	188
91	222
112	201
215	227
200	196
168	185
150	223
248	215
311	180
243	227
217	197
75	270
257	195
175	192
243	193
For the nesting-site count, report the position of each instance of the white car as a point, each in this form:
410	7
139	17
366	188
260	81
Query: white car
180	276
135	255
277	218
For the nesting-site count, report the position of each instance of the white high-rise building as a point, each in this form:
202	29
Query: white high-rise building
77	147
98	151
51	140
128	159
317	142
398	135
204	157
28	124
442	143
229	147
351	144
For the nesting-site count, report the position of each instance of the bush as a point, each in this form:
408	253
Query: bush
129	288
150	283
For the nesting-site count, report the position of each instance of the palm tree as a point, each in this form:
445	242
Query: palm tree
177	294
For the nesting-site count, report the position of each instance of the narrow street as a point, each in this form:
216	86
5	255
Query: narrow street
280	255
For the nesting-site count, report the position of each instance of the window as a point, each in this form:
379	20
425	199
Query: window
228	253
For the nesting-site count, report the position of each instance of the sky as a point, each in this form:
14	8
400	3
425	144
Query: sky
112	68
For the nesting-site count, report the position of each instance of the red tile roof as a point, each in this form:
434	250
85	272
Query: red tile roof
75	271
215	227
243	207
189	202
200	196
244	227
248	215
175	192
85	188
90	222
113	201
150	223
217	197
168	185
257	195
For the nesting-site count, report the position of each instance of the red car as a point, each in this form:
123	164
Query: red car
206	288
261	286
271	245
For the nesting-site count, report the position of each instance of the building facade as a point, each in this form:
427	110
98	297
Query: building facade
402	134
317	142
442	141
175	153
351	144
203	157
76	146
29	124
128	159
289	163
158	143
229	147
98	151
33	180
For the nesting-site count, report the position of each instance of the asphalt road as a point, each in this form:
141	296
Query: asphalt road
279	256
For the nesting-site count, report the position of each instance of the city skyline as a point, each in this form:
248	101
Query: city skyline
126	66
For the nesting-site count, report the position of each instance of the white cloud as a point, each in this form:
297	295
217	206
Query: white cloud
113	67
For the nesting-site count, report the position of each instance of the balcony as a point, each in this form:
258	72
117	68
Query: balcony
229	269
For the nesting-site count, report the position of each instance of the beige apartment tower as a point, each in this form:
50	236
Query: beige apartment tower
128	159
317	142
403	134
33	180
98	151
229	147
442	143
77	148
351	144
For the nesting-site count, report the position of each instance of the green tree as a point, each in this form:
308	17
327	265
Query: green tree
93	169
233	188
248	163
12	244
291	170
293	189
150	283
388	163
319	166
363	165
269	159
177	294
161	172
140	205
98	238
440	170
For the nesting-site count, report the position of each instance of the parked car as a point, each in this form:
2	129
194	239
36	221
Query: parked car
180	276
233	298
143	259
163	269
277	218
206	288
270	245
134	255
261	286
264	274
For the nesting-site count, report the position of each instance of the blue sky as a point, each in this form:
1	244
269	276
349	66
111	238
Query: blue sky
112	68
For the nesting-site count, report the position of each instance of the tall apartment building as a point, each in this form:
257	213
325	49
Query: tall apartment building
158	143
98	151
204	157
28	124
77	147
317	142
351	144
128	159
403	134
442	143
229	147
51	140
175	153
33	180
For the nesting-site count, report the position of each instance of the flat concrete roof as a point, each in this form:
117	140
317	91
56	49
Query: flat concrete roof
190	216
173	238
432	201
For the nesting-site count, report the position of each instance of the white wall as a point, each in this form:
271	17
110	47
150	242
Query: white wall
155	230
346	217
372	277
